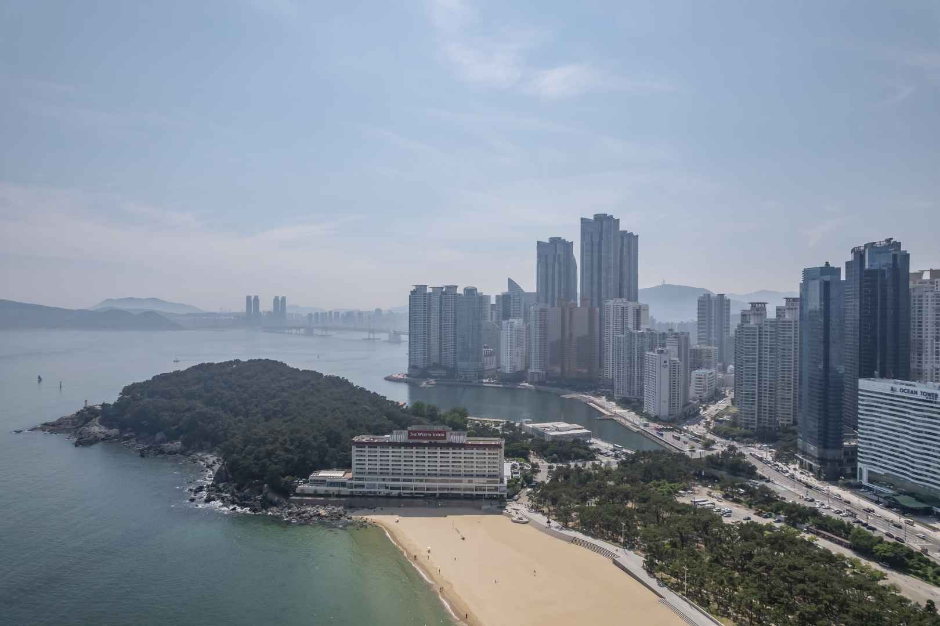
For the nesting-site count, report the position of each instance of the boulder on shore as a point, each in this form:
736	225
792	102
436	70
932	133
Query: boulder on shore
93	432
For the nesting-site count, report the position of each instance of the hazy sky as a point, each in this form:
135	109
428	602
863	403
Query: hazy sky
337	152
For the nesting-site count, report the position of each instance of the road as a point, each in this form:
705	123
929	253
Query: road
676	441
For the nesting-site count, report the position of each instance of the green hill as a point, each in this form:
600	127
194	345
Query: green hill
267	420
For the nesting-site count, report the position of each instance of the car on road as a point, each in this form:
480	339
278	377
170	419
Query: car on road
921	536
900	539
896	525
858	521
889	535
746	518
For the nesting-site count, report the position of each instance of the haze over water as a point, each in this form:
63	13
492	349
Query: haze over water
113	538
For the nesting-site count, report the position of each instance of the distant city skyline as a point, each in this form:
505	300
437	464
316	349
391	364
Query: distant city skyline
328	157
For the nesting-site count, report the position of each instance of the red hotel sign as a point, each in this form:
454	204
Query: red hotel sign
428	435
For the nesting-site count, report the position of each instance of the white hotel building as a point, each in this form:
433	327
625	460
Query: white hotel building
899	434
422	461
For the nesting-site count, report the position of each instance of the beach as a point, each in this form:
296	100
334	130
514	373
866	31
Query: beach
491	571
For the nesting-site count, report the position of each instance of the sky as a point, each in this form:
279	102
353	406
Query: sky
337	153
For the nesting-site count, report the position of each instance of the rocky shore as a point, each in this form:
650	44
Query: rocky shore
216	488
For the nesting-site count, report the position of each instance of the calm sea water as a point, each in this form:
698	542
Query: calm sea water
99	536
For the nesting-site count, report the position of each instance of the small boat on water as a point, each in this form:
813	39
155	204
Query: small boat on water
176	360
39	379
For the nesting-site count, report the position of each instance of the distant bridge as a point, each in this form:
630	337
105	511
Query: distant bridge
320	329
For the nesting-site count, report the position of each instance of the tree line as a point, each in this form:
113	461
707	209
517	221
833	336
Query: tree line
750	573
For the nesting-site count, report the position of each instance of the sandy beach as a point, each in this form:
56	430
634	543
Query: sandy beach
493	572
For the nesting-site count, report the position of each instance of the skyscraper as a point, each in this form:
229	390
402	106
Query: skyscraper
766	366
609	260
277	307
434	326
516	299
442	331
925	326
573	341
822	370
877	318
556	272
492	332
703	357
538	342
754	376
787	325
619	316
678	346
418	309
469	335
714	325
256	310
629	265
629	361
248	309
513	347
662	396
283	308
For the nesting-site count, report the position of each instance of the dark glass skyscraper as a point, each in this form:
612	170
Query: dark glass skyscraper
822	370
609	261
556	272
877	318
469	335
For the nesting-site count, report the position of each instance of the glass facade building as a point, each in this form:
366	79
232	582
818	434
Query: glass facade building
822	370
877	318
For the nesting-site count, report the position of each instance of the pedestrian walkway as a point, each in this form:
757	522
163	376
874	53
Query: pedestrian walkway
629	562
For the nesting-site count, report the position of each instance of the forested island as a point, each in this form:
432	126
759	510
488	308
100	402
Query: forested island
268	422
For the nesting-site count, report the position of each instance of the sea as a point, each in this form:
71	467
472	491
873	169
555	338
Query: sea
100	536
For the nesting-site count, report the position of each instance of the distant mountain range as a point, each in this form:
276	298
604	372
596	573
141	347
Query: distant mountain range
678	303
146	304
20	315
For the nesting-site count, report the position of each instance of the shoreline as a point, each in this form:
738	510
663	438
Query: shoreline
490	571
448	598
568	394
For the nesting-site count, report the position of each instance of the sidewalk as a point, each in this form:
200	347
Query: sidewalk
629	562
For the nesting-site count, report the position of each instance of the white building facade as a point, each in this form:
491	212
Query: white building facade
662	393
418	310
704	383
766	367
899	434
512	344
620	315
925	326
422	461
538	342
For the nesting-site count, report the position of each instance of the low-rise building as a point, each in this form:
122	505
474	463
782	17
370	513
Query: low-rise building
704	383
899	435
421	461
557	431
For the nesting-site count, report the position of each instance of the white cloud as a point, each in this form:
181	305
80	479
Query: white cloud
497	67
498	58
